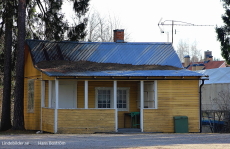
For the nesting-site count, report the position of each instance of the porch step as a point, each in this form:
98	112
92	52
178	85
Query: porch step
129	130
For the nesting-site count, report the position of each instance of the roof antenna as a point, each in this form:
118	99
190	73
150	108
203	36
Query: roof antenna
178	23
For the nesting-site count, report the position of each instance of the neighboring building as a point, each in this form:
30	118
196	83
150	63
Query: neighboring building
215	100
219	82
87	87
207	64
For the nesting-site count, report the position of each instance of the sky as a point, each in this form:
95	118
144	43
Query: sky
140	18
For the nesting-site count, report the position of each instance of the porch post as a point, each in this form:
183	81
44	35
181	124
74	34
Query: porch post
86	94
42	100
141	104
50	93
115	103
56	106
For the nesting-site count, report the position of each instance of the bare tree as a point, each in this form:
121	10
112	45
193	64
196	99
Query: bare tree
195	53
221	105
222	102
100	28
184	48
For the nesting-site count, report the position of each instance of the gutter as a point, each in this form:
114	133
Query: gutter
200	106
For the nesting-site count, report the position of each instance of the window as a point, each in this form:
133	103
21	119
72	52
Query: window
30	101
122	99
104	98
150	95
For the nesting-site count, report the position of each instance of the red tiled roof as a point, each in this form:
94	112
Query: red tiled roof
210	64
214	64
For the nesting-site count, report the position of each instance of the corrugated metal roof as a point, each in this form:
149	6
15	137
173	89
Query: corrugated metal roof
106	52
137	73
217	75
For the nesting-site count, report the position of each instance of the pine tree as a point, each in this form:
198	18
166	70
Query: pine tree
223	32
53	23
54	27
6	102
18	121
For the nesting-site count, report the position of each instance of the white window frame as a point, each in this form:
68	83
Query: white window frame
30	99
111	97
146	100
127	98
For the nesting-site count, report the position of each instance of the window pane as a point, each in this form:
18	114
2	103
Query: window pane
30	102
124	92
108	92
100	91
99	97
119	92
124	96
120	97
119	105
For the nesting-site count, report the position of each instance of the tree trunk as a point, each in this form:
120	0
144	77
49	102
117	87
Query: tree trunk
6	103
18	121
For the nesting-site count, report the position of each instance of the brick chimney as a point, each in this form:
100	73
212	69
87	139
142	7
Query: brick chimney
118	35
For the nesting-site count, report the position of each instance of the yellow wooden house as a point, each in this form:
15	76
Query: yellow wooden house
88	87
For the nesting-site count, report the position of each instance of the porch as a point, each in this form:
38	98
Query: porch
70	106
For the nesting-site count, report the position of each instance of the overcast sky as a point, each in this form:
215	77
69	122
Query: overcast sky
141	18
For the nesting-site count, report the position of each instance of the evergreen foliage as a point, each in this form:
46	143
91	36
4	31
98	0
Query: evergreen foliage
223	32
44	20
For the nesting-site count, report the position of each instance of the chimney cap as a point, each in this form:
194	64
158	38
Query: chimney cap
186	56
117	30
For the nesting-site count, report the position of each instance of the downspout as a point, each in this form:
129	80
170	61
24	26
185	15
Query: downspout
200	106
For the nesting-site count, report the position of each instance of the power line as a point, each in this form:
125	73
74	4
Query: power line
177	23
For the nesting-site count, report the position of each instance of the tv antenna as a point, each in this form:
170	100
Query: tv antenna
173	22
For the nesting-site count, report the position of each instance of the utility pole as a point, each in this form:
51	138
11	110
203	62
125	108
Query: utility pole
173	22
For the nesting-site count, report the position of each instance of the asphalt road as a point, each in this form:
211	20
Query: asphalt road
99	141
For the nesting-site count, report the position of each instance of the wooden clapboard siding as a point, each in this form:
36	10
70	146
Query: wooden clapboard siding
175	98
86	120
29	70
48	120
45	77
32	119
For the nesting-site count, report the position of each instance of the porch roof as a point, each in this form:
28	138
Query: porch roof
129	73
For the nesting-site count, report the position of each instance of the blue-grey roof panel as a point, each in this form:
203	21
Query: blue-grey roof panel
137	73
134	53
